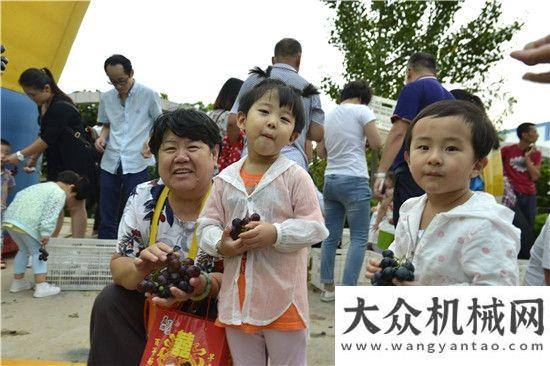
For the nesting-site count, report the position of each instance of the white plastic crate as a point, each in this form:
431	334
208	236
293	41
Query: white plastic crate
80	264
339	261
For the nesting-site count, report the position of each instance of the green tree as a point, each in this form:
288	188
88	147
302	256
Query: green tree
378	37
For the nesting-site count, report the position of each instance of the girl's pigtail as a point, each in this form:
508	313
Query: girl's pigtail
261	73
309	90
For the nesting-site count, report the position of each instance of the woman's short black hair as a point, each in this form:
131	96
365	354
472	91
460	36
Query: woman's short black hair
119	60
484	135
186	123
228	94
82	186
357	89
288	97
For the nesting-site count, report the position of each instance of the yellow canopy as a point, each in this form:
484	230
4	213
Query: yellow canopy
38	34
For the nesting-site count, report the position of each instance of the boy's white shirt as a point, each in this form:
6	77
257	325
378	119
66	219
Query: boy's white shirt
540	258
472	244
276	276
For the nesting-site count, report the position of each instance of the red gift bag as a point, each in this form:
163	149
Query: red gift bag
179	338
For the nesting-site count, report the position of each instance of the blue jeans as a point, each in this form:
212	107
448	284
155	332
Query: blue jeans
114	190
27	246
345	196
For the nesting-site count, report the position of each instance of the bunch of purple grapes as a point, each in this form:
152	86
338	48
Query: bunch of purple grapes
177	273
238	225
43	254
392	268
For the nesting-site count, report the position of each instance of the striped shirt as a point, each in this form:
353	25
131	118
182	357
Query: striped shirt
312	108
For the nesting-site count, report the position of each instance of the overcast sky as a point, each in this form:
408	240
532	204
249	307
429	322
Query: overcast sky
187	49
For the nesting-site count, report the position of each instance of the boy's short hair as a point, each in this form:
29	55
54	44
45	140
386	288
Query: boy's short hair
524	128
462	94
186	123
119	60
484	135
288	97
357	89
422	61
287	47
82	186
5	142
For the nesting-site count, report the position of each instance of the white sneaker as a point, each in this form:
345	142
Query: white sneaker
327	296
20	285
45	289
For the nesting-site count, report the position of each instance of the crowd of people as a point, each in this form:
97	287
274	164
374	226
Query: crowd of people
248	156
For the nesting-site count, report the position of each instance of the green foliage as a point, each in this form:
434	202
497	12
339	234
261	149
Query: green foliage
378	37
164	96
540	220
543	189
317	171
89	113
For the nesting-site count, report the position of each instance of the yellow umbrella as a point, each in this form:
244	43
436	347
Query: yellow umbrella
38	34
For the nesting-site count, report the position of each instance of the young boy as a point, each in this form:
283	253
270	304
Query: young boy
452	235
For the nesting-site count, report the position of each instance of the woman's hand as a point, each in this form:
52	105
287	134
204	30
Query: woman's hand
30	165
199	283
153	257
10	159
100	144
372	267
260	234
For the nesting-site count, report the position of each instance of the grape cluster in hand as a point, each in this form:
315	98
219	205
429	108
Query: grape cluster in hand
238	225
43	254
402	269
177	273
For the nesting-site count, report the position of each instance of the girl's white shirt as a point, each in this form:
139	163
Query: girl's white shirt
276	276
472	244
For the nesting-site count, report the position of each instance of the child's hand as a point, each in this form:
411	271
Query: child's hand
152	257
44	240
372	267
229	247
199	283
260	234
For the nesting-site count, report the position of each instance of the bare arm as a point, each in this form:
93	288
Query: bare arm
124	272
232	128
395	139
100	141
321	150
315	132
534	170
371	132
37	147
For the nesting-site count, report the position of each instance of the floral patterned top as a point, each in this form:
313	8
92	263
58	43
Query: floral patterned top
134	228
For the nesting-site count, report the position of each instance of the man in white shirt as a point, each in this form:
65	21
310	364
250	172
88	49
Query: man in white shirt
127	113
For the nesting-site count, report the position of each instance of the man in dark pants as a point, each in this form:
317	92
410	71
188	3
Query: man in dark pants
521	164
126	113
422	89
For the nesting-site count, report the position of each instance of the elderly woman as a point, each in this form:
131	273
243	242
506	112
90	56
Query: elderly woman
186	146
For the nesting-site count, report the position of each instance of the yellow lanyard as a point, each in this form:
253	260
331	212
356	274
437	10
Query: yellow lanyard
156	216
